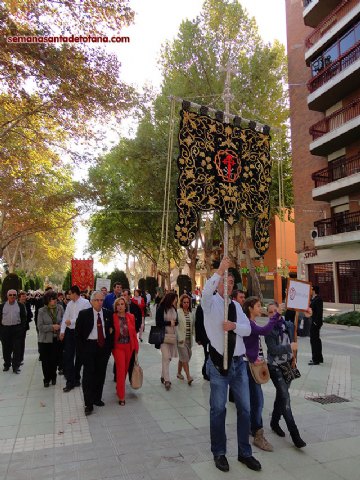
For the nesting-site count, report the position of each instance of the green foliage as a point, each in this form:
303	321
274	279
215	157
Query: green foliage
350	318
133	173
11	281
237	276
184	283
67	281
119	276
151	285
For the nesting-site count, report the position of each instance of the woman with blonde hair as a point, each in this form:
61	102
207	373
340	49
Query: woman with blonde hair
184	338
166	318
125	344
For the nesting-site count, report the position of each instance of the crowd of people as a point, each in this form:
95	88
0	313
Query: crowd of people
78	333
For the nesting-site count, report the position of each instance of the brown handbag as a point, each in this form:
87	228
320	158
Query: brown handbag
260	372
170	338
137	375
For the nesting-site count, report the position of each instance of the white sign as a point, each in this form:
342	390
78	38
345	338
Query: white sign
298	295
103	282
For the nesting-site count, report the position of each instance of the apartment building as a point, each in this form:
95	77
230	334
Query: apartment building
324	83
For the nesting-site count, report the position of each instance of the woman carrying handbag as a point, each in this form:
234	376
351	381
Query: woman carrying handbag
125	344
281	350
186	330
166	317
252	309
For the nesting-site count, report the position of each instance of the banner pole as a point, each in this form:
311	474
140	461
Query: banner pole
227	97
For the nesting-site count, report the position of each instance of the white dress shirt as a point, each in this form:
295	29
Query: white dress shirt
94	333
72	312
213	307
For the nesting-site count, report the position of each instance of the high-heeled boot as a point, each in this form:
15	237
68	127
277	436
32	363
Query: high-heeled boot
298	441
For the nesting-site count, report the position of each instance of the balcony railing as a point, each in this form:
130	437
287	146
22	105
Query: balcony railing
341	223
339	168
340	64
336	119
334	17
306	3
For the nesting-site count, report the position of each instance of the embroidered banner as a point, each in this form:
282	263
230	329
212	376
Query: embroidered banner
226	168
82	274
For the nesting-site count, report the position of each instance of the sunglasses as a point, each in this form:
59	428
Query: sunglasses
12	295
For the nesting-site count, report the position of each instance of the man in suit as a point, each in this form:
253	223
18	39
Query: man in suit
94	331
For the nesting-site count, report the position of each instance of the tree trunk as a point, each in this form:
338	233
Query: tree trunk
255	284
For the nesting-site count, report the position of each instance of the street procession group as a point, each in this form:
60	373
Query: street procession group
75	332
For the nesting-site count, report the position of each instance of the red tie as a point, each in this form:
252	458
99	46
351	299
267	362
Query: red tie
100	332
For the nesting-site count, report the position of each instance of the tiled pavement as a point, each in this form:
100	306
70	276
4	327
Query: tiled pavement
164	435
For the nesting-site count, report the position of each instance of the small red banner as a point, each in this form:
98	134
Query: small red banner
82	274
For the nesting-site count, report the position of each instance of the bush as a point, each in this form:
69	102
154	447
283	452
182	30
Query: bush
150	285
350	318
184	283
119	276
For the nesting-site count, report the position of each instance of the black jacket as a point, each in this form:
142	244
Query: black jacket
23	316
316	305
84	325
200	332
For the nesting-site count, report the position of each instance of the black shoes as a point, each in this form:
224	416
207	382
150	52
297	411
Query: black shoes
16	370
277	429
100	403
251	463
6	369
221	463
89	410
46	384
53	381
313	363
67	389
77	384
298	441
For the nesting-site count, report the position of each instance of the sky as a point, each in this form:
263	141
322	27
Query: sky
157	21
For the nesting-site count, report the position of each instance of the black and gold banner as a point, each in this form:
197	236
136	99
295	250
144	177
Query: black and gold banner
226	168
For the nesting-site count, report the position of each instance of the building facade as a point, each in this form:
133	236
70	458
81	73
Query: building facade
323	41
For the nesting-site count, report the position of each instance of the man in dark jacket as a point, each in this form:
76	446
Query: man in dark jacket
12	327
94	333
316	306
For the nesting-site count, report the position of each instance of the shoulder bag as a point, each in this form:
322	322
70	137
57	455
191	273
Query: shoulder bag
289	371
137	375
156	335
260	371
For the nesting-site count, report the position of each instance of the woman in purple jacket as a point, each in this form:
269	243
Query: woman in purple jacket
252	309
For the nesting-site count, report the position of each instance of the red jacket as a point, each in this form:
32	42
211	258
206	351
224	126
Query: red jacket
132	332
140	305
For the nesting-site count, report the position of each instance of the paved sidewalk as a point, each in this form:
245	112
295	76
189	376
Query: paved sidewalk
162	435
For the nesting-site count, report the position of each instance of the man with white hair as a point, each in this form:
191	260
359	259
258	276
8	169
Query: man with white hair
12	328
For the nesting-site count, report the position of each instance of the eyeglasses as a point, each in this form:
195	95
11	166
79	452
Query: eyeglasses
98	300
12	294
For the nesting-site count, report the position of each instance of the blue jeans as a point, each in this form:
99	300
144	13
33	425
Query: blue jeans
256	403
282	405
237	379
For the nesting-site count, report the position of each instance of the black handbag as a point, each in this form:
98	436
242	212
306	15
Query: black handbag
156	335
289	372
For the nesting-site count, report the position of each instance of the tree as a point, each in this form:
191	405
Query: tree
71	83
67	281
119	276
134	172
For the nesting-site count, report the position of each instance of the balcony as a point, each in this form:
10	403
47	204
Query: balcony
341	177
337	130
333	18
341	229
336	81
316	10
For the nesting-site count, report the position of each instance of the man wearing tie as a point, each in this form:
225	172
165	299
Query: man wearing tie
94	331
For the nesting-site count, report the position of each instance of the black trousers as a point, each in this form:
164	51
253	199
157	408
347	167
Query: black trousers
95	360
49	353
316	345
69	357
206	356
11	337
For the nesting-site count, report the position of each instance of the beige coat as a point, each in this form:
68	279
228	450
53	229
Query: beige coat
181	329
